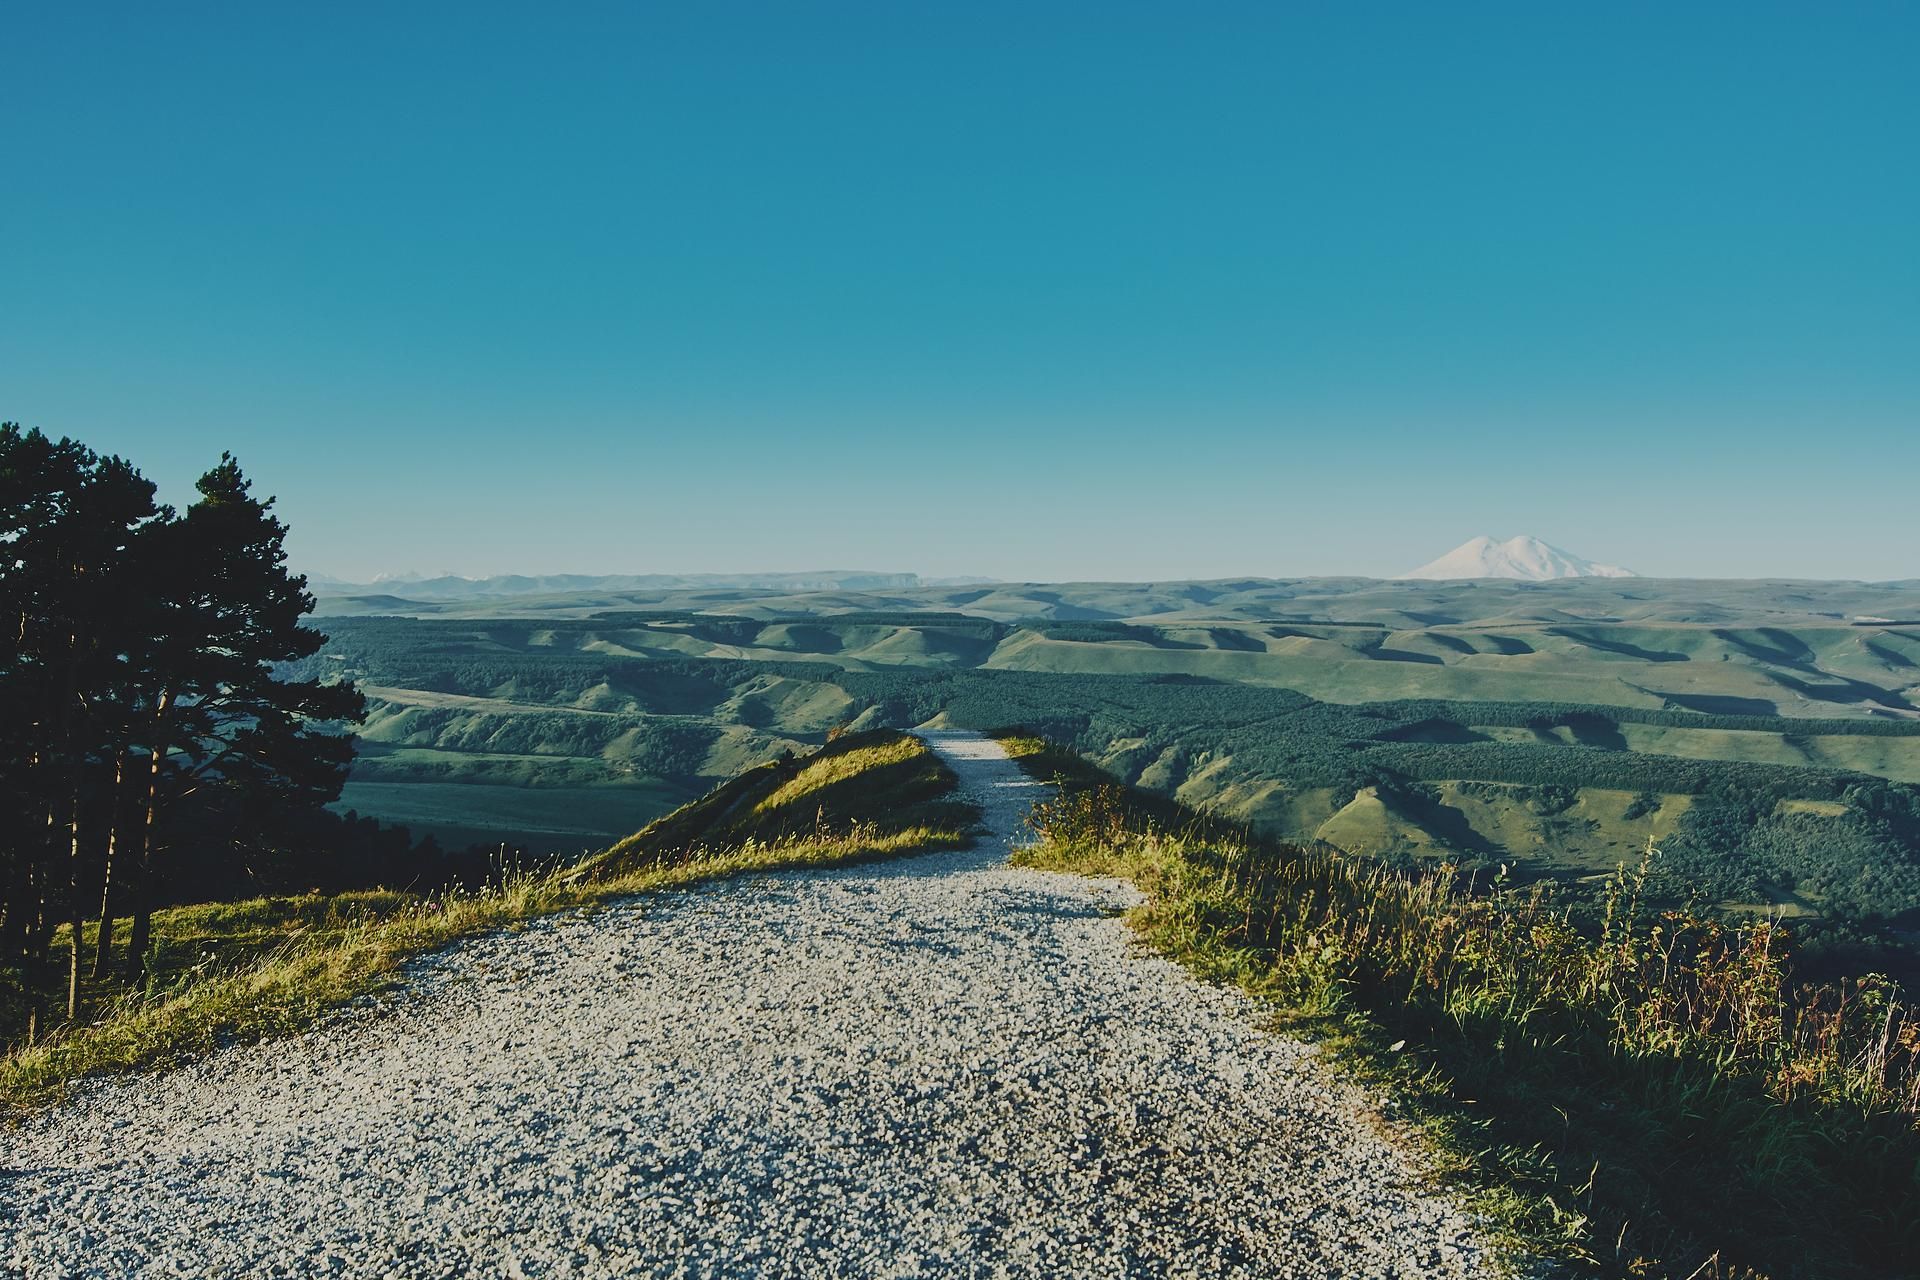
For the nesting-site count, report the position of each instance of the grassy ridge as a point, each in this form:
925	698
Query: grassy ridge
235	972
882	779
1637	1092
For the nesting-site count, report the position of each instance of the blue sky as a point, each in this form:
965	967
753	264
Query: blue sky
1033	291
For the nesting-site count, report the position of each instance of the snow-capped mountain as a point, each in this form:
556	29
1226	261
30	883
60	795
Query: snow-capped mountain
1524	557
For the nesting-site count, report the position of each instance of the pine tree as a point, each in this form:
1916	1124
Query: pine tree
224	725
143	687
67	519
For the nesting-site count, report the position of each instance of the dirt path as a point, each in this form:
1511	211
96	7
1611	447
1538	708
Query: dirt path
941	1066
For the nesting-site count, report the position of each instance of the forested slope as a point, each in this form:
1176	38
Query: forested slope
1808	814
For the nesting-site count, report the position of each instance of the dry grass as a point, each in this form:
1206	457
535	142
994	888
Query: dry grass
1651	984
834	767
1635	1091
884	779
282	963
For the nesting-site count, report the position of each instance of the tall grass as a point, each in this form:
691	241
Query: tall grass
1652	1088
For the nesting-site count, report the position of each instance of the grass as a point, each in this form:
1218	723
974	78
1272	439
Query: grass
885	779
229	973
203	938
1641	1093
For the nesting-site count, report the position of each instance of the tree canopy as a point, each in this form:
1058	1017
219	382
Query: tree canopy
146	698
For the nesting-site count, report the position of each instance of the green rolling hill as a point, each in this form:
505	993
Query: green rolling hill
1554	726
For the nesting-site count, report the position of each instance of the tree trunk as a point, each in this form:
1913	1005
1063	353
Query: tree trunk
103	945
143	892
65	785
40	938
138	940
76	914
15	911
36	985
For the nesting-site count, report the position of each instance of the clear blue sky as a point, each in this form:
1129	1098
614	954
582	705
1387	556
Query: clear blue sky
1028	290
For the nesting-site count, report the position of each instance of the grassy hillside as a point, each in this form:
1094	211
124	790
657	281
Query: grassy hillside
1633	1091
882	783
1814	665
562	733
227	972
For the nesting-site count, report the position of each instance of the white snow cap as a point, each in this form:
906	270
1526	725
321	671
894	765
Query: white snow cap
1525	557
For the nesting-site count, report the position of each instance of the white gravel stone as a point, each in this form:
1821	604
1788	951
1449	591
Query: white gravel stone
939	1066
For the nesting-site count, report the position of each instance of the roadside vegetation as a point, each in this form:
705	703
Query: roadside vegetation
225	973
1635	1090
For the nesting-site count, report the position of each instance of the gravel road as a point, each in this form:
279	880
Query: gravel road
940	1066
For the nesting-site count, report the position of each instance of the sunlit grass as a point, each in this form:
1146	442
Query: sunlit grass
243	971
829	768
1636	1091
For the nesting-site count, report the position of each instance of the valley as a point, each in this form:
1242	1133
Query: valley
1756	731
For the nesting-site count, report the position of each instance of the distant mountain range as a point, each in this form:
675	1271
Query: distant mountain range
452	587
1525	558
